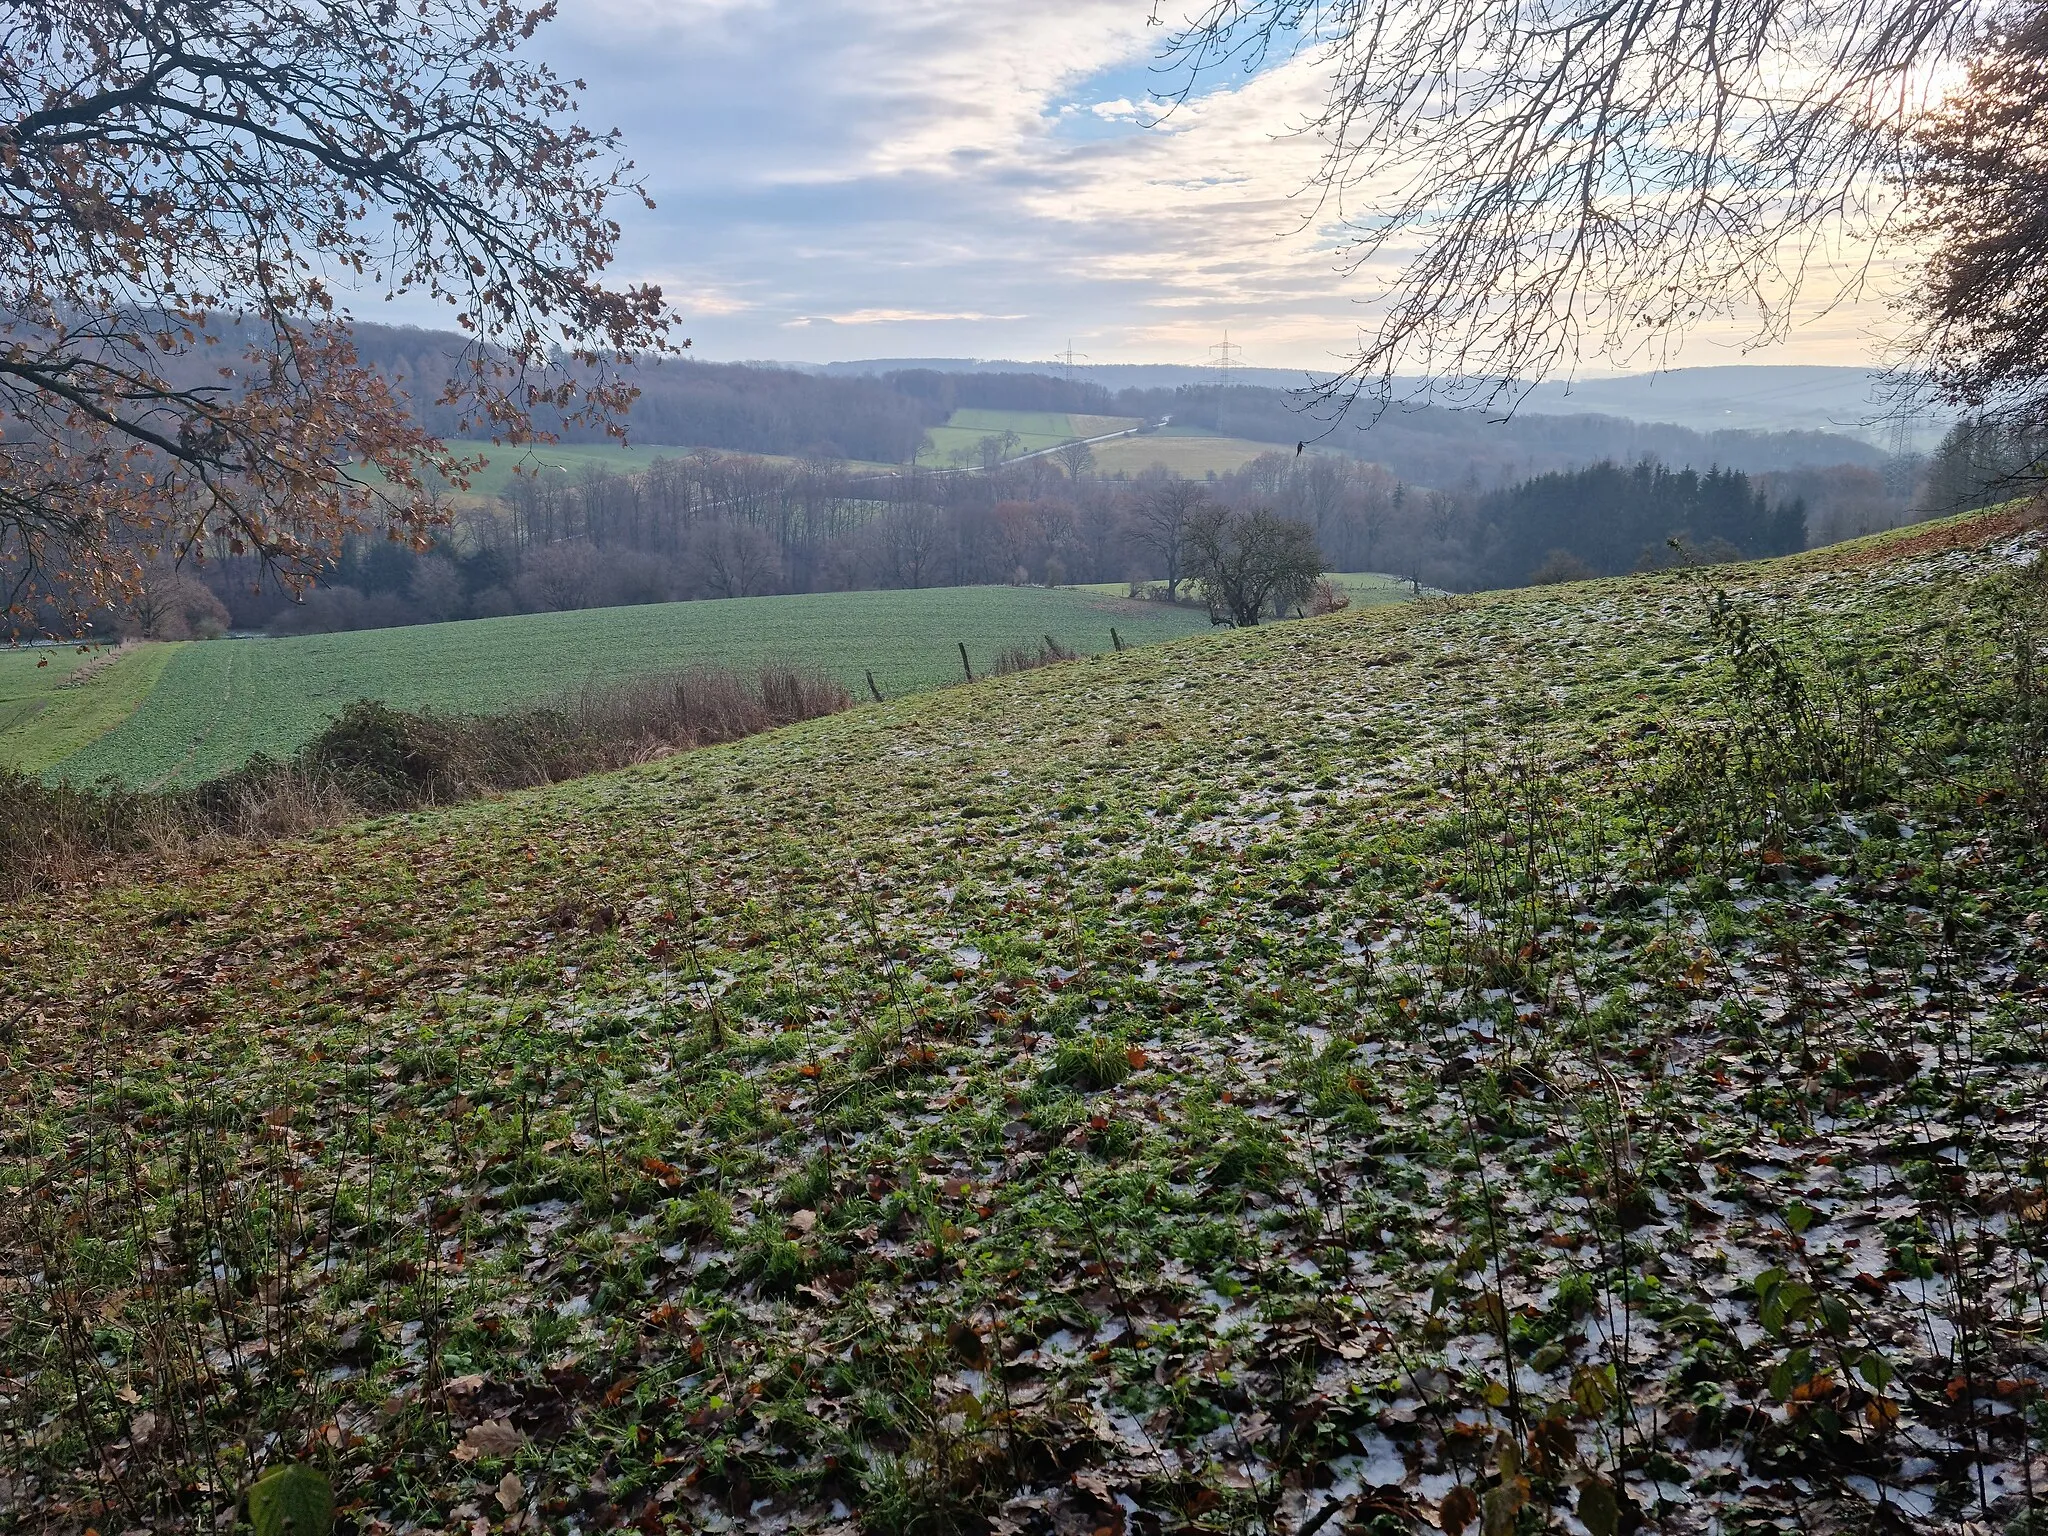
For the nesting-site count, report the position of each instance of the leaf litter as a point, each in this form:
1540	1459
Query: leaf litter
1567	1057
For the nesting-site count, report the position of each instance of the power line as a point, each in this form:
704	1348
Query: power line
1228	356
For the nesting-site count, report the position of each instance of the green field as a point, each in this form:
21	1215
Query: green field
566	458
1563	1061
48	711
960	435
220	702
572	458
959	440
1369	588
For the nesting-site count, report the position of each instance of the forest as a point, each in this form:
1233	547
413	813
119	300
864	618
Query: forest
779	497
710	526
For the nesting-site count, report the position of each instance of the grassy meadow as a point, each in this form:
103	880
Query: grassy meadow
1365	588
959	440
56	699
961	434
179	715
502	463
1564	1060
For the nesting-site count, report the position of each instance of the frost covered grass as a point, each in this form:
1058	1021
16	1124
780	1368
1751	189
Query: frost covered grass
1564	1060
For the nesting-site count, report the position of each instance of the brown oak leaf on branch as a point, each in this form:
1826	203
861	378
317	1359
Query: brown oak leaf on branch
190	193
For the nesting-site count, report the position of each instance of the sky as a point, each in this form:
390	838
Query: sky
843	179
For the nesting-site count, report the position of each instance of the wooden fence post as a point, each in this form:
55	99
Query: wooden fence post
1115	639
966	665
873	689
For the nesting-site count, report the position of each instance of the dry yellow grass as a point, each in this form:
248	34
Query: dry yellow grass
1190	456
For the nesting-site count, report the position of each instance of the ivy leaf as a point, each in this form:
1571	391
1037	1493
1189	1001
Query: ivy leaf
292	1501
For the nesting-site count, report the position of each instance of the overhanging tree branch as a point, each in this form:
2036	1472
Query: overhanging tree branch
180	183
1530	183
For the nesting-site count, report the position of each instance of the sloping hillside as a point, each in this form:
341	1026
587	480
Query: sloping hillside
1555	1060
183	714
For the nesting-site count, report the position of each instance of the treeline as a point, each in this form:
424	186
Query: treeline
1982	461
1470	452
710	526
1604	519
1609	518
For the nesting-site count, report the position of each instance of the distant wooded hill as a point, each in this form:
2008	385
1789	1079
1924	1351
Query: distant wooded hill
1758	397
749	408
1469	451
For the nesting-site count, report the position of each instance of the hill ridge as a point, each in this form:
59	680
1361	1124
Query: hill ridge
1258	1077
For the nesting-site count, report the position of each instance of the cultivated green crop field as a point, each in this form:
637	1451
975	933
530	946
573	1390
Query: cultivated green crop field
959	440
565	458
218	703
1566	1061
54	700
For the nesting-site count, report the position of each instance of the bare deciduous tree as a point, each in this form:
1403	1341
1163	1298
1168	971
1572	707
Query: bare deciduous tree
1160	522
995	448
1596	176
1250	563
1982	194
170	605
1077	458
558	578
908	545
735	559
436	588
189	189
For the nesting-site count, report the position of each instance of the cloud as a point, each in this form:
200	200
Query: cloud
964	178
896	317
1124	110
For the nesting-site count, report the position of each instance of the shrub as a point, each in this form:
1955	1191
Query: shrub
1559	567
1326	597
376	759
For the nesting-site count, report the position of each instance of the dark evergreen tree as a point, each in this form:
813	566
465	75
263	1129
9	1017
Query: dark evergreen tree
1616	517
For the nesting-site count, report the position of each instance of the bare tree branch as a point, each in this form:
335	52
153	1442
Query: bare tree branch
185	188
1548	181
